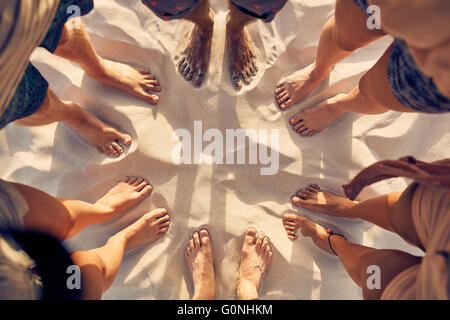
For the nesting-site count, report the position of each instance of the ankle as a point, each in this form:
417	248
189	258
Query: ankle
319	72
246	290
206	24
204	292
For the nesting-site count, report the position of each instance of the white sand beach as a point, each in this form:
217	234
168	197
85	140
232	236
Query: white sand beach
225	198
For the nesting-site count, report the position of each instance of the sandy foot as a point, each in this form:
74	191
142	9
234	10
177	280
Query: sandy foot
316	199
242	58
95	132
255	260
314	120
138	82
195	57
125	194
296	86
316	232
199	258
150	227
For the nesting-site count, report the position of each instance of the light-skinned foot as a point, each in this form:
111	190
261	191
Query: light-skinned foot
135	81
95	132
255	260
194	62
311	121
296	86
199	258
241	55
316	199
125	194
150	227
308	228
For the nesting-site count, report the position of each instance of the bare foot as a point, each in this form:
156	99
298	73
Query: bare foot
316	199
318	233
242	57
95	132
314	120
255	261
296	86
125	194
150	227
199	258
195	58
137	82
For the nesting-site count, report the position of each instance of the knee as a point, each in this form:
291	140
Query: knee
377	268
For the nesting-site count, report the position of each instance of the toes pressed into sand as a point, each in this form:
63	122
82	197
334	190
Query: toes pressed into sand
125	194
296	86
199	258
138	82
96	133
242	58
314	120
195	58
150	227
255	260
316	199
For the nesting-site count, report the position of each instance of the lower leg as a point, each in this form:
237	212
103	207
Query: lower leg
93	131
357	259
99	266
76	45
241	52
64	218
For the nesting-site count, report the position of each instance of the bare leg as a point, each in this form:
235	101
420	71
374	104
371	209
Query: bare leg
99	266
255	261
199	258
64	218
195	57
356	258
241	52
341	36
373	95
93	131
76	45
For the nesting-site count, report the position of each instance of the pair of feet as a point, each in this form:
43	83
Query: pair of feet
127	193
194	61
294	88
255	260
316	199
105	138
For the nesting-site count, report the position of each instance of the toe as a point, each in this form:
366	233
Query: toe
265	243
204	236
141	185
138	181
147	189
132	180
162	231
159	212
289	217
260	240
116	147
100	149
280	89
125	139
199	79
236	81
311	188
306	132
285	104
125	179
196	238
163	219
251	235
296	118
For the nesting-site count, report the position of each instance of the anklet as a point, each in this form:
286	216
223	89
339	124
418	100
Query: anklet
330	233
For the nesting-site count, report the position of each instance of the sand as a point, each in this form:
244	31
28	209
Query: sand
226	198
